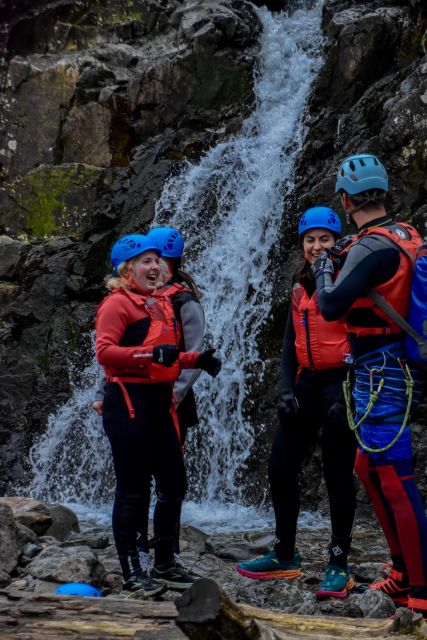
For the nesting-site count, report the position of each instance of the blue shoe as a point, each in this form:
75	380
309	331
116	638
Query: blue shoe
336	583
269	567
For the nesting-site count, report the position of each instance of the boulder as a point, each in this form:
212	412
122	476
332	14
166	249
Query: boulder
64	522
31	513
10	543
70	564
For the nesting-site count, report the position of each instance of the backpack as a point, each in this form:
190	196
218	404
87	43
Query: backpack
415	327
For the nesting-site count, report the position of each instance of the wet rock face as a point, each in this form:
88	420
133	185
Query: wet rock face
100	99
99	79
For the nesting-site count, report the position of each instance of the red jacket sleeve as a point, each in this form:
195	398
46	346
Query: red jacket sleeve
112	318
188	359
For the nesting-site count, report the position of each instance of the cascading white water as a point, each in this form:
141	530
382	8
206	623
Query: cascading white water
229	208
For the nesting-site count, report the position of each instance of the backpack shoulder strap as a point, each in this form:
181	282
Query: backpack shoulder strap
399	320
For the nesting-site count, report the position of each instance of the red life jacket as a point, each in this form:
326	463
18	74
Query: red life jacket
397	290
170	290
319	344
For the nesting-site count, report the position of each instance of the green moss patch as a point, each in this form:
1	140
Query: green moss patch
52	201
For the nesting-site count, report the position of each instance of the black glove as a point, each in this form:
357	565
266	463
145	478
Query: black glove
336	252
209	363
287	406
165	354
323	264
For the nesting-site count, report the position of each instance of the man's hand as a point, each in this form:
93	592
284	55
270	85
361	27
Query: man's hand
323	265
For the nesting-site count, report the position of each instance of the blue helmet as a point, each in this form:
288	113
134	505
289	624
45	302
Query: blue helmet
170	241
361	173
319	218
131	246
78	589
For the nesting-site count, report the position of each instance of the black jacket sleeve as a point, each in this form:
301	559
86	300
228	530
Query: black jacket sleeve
289	363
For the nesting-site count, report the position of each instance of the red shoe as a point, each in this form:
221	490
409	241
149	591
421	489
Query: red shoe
419	605
395	585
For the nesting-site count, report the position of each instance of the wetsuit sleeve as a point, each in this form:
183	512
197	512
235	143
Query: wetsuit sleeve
111	322
289	363
100	389
192	320
370	262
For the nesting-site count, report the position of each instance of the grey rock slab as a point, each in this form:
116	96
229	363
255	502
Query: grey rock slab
72	564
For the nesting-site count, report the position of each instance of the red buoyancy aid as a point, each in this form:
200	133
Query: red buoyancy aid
319	344
397	290
122	308
170	290
134	364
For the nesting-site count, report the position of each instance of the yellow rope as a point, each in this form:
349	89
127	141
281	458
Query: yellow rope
373	397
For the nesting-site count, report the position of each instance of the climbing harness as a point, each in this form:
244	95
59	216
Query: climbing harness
374	395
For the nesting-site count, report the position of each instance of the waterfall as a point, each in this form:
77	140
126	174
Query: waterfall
228	206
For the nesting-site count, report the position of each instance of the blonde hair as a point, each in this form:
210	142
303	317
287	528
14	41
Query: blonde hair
121	282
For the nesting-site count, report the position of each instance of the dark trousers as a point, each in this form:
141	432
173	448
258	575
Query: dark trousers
321	409
144	447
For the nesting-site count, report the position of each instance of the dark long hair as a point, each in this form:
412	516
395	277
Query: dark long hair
182	276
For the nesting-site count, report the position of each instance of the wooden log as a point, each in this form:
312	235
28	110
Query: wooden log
28	616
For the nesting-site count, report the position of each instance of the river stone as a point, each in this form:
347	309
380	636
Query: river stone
10	545
94	541
70	564
239	547
374	603
64	521
31	513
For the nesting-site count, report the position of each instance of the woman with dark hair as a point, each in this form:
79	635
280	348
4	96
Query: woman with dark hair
311	399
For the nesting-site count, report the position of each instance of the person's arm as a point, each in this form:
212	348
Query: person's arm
193	330
287	403
289	362
111	322
369	263
100	389
98	403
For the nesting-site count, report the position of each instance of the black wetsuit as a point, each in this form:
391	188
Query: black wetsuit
321	409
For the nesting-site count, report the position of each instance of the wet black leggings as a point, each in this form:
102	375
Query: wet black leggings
322	407
142	448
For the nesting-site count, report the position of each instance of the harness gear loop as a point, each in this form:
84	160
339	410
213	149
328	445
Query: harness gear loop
373	397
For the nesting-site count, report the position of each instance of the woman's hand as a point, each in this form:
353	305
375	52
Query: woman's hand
209	363
98	406
165	354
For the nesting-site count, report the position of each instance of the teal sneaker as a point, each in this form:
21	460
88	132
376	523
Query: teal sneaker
269	567
336	583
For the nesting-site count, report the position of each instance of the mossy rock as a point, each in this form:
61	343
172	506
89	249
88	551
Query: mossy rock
51	201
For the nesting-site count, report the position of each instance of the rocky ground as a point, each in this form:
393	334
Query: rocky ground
43	546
